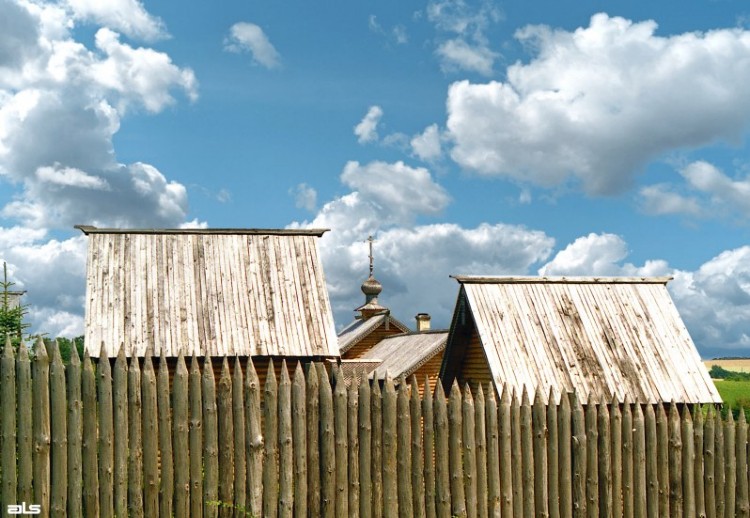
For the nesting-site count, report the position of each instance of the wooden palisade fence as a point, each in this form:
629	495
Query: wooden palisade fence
82	440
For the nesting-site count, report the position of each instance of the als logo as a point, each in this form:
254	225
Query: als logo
24	508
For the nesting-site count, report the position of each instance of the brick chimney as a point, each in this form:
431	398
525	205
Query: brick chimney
423	322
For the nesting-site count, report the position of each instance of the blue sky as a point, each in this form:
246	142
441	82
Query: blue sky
559	138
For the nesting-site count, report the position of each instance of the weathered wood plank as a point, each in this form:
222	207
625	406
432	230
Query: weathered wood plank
455	450
180	440
592	454
698	471
719	465
428	438
390	456
286	456
271	437
493	453
417	450
312	401
299	440
652	468
615	431
59	434
8	405
365	451
604	460
225	422
662	457
195	436
120	416
135	441
327	446
469	452
516	455
688	462
480	434
539	429
25	426
639	464
403	448
553	448
240	451
254	440
353	449
627	458
90	464
150	438
708	465
442	464
578	453
730	465
41	427
564	457
166	479
376	473
675	462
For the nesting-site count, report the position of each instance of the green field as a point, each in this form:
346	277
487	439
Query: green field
734	393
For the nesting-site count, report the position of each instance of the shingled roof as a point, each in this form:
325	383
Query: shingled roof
215	292
404	354
620	337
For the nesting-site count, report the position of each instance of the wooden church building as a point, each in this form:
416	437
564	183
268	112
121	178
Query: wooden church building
257	293
607	337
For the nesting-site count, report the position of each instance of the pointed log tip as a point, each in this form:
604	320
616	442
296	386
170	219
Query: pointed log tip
525	397
538	395
552	398
8	349
40	350
225	365
121	353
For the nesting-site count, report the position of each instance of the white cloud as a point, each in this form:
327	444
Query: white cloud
599	255
598	103
126	16
426	145
661	199
248	37
400	190
713	193
468	48
305	197
61	105
367	129
456	55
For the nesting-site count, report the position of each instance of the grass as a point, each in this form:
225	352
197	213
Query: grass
734	393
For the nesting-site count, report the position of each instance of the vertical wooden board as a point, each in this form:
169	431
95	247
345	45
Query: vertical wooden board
164	408
41	426
226	440
327	446
135	441
730	466
493	453
404	453
688	461
698	471
662	455
615	431
417	449
627	458
455	449
741	454
106	435
539	443
527	456
675	462
25	425
238	421
180	439
8	406
480	435
210	441
708	465
469	452
253	441
195	436
364	415
286	458
578	454
376	476
516	457
719	464
553	449
353	450
605	460
442	464
652	467
150	438
312	404
564	457
389	454
90	464
506	448
299	441
639	463
120	417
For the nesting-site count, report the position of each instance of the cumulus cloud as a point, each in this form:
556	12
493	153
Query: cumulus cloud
467	47
596	104
126	16
61	104
367	129
305	197
426	145
397	188
712	192
248	37
412	262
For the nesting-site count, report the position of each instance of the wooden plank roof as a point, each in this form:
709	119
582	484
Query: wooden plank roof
360	328
404	354
609	337
223	292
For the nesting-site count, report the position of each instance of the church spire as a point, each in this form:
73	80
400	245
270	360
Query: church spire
371	288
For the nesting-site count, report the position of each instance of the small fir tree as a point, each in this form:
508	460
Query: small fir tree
11	316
